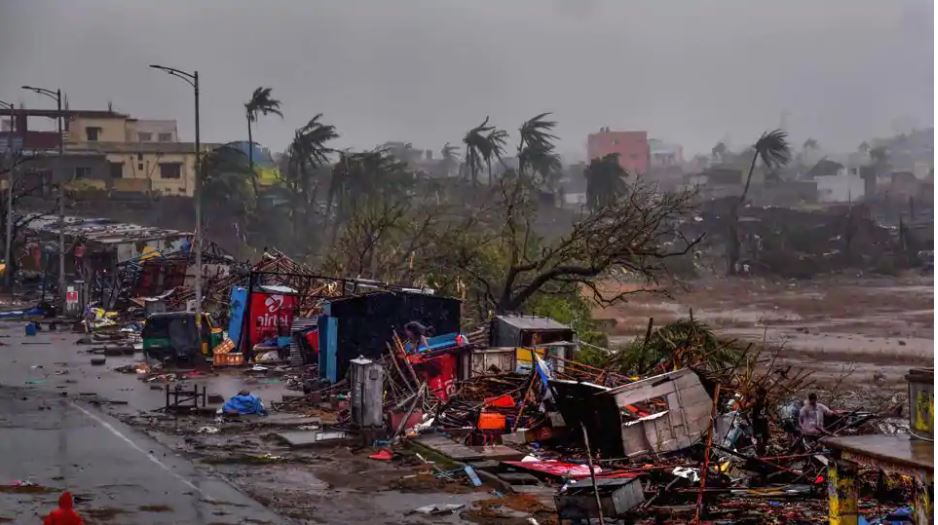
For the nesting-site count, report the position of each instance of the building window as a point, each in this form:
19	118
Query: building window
139	156
92	133
140	166
82	172
165	137
117	170
144	137
171	170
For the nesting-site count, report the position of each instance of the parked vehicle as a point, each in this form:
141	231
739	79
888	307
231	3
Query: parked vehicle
173	336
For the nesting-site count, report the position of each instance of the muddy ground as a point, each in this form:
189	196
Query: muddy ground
858	330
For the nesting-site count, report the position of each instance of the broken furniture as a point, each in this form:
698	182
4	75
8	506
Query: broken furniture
181	398
910	455
663	413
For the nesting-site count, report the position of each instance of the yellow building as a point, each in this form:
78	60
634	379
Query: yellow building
142	155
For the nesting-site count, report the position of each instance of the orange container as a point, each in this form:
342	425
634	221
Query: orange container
491	421
502	401
229	359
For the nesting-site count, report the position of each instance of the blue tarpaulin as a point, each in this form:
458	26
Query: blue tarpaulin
244	404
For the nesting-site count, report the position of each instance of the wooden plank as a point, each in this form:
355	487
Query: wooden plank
519	478
460	452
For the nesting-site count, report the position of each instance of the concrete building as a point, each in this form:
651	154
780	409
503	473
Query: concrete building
632	147
841	187
109	151
665	154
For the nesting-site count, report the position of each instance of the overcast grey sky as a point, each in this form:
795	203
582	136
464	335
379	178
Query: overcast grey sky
693	72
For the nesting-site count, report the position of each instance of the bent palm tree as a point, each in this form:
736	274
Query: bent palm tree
536	147
260	103
450	158
496	140
477	149
307	153
772	147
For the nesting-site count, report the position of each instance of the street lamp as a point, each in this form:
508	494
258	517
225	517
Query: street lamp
7	272
193	80
57	96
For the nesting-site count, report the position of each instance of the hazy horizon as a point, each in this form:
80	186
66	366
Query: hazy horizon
422	71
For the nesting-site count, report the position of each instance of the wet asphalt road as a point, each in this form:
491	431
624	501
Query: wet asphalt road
50	435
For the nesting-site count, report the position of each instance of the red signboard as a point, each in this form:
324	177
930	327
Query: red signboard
439	372
71	296
271	316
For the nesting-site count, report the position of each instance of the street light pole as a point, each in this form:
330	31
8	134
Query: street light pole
57	95
193	80
8	271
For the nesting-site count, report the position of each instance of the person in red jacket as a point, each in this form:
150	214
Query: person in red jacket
64	514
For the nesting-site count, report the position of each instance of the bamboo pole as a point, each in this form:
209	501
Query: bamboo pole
589	460
706	460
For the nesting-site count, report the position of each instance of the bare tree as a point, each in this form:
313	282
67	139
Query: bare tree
499	251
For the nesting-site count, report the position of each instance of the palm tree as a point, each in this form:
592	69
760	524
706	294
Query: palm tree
536	147
604	181
307	153
496	140
772	147
810	144
477	149
450	158
260	103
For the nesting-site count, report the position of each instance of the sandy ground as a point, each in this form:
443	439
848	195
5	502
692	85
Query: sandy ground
872	326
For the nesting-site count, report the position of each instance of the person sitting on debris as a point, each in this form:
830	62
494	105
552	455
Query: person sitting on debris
760	420
811	417
416	334
64	514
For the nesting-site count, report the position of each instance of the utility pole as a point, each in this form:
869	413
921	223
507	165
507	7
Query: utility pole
193	80
8	271
57	95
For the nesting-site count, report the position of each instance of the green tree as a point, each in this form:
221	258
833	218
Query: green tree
604	181
773	149
497	250
227	189
718	151
261	103
357	177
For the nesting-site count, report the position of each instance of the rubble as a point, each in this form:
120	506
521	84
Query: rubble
659	431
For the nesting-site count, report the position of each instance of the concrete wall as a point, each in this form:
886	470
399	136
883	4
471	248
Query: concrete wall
53	169
154	128
843	187
112	129
147	166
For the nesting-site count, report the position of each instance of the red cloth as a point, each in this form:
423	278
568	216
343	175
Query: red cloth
64	514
